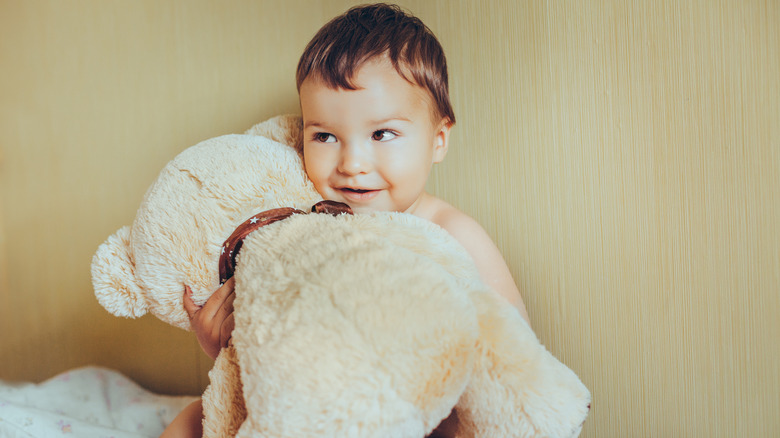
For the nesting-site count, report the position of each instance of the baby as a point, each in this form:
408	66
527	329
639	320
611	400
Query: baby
376	112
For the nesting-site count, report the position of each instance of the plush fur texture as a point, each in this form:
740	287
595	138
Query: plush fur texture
373	325
196	202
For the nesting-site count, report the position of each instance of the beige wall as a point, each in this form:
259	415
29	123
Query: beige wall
625	156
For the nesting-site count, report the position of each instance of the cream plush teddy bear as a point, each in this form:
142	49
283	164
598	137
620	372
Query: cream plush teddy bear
371	325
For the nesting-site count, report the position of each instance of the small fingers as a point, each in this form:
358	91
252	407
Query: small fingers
226	331
217	299
226	308
189	306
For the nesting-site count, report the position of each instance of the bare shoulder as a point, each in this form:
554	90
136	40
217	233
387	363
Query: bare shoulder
477	242
461	226
446	216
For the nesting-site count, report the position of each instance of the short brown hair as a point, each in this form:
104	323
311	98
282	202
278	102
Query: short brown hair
341	47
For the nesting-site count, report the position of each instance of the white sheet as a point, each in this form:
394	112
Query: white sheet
86	402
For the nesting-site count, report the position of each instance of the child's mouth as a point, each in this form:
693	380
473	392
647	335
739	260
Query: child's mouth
358	194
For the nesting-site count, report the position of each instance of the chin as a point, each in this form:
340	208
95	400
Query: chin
362	208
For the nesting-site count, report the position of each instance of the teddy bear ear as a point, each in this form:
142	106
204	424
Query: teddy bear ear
286	129
113	277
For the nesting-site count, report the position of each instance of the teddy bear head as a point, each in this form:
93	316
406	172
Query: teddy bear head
196	202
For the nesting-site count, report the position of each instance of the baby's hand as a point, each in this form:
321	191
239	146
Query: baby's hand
213	322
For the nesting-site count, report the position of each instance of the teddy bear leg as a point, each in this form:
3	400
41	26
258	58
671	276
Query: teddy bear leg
223	401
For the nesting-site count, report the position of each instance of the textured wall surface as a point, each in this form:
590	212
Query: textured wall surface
625	157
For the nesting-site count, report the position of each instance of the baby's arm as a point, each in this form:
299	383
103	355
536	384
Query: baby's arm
213	325
188	424
213	322
491	265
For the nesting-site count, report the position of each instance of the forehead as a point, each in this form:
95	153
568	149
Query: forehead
381	92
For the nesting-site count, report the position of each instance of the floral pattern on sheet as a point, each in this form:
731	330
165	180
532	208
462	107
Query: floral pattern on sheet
87	402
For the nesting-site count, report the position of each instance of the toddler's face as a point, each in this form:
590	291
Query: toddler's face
371	148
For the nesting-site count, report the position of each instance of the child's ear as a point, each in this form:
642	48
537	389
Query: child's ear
441	140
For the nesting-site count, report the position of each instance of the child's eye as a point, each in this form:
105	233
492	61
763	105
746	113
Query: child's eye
383	135
324	137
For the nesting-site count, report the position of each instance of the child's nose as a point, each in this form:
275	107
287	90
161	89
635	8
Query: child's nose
355	160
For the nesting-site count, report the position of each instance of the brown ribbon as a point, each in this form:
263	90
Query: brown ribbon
227	259
331	207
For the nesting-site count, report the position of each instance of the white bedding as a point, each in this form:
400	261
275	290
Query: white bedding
85	402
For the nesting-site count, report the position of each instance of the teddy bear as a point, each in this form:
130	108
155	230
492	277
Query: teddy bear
346	325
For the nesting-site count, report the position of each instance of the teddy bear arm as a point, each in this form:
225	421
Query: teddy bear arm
518	388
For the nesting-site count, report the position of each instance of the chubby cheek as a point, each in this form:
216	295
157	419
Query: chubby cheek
315	169
408	172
